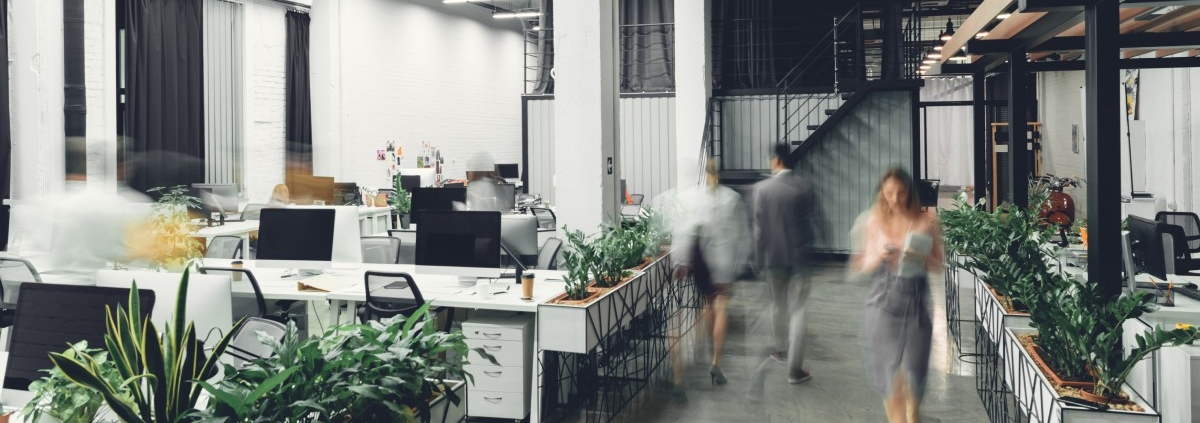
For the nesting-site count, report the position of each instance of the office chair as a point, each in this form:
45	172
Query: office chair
224	247
381	250
260	301
1182	262
546	218
394	294
1189	244
14	271
927	191
245	345
637	198
252	211
547	256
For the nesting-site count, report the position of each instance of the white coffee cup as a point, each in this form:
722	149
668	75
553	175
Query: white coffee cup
483	288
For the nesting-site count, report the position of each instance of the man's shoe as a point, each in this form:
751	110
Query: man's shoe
798	378
780	357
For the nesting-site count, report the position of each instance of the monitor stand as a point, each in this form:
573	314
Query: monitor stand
468	280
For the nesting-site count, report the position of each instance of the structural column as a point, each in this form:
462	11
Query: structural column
586	179
1018	130
1103	145
980	129
693	87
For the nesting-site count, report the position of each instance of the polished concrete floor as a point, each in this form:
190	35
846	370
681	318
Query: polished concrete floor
840	389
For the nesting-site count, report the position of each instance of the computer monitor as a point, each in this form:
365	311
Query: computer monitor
222	198
209	298
518	232
428	175
1127	265
51	316
300	237
435	199
346	194
461	243
508	170
306	189
1146	244
408	182
506	197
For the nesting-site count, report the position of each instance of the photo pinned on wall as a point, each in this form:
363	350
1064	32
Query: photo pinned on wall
1132	85
381	155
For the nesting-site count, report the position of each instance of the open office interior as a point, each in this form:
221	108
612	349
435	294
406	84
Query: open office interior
600	211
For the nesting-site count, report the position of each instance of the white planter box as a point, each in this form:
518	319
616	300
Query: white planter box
993	318
1039	400
439	413
577	329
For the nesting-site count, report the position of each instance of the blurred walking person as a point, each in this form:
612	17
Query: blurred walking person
782	215
711	239
898	247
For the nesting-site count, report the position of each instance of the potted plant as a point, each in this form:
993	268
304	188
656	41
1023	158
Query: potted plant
57	397
399	369
172	228
1052	311
578	258
158	375
401	203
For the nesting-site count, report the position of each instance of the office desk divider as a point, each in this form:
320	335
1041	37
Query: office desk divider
598	357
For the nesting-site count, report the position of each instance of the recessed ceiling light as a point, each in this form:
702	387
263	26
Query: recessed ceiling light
935	55
454	1
929	61
981	34
937	48
537	28
1003	16
517	15
926	66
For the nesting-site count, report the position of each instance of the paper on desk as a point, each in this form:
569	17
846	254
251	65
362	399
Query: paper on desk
325	283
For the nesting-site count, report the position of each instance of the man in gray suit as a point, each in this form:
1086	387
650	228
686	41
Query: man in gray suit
782	214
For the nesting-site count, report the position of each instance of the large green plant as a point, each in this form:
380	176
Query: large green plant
57	396
162	374
402	201
1053	305
382	371
578	259
174	244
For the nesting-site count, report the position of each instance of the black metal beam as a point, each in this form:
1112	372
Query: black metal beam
1079	65
980	129
1025	6
1103	146
1141	40
959	69
1073	65
1051	24
1018	131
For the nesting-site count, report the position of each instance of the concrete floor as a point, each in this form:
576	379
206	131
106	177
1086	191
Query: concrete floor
840	389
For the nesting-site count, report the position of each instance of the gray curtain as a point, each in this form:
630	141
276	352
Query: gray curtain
747	44
647	40
543	83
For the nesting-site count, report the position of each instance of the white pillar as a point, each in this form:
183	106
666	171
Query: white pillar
326	73
693	86
37	98
585	114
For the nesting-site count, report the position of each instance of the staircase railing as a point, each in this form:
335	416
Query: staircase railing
839	54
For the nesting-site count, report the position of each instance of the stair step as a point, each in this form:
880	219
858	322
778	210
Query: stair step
813	127
830	112
846	96
796	142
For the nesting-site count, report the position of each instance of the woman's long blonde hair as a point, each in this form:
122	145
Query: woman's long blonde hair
913	201
281	194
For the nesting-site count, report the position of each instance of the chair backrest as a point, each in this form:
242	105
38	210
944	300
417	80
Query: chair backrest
380	250
245	345
248	275
225	247
15	271
394	232
390	294
547	256
1130	268
252	211
546	218
1190	223
637	198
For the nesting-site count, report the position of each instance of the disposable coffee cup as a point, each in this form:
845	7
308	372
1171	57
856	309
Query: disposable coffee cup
237	276
527	286
483	288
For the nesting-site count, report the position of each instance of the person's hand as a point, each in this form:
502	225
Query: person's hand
889	253
680	272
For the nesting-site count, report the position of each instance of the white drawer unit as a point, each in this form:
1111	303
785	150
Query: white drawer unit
502	390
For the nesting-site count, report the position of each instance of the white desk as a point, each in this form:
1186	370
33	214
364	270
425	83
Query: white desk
374	219
238	229
409	236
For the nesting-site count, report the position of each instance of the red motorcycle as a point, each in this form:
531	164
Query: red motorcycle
1060	208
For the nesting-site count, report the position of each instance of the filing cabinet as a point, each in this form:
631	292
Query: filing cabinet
501	390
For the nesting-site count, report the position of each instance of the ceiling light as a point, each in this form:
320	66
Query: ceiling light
537	28
455	1
923	67
937	48
949	33
1003	16
981	34
929	61
517	15
935	55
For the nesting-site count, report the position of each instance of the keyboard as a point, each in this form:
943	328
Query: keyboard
1188	292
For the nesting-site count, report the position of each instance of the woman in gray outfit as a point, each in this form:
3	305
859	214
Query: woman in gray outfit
899	247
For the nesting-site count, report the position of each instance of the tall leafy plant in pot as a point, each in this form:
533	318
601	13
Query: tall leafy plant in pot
1053	305
58	397
579	258
401	203
174	245
161	373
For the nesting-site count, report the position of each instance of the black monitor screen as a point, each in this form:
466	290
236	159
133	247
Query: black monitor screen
435	199
458	239
508	171
345	194
408	182
50	317
217	197
296	234
1146	238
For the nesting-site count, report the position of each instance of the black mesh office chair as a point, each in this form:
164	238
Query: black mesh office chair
545	217
245	345
252	211
258	295
394	294
637	198
548	255
1186	239
14	271
380	250
225	247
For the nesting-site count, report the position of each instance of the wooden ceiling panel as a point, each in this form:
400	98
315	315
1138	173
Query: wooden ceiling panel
1126	15
1187	20
1013	25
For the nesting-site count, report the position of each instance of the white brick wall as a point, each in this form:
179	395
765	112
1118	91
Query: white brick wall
94	78
416	71
266	98
1061	107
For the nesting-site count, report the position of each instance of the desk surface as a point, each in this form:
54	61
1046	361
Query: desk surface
229	228
442	290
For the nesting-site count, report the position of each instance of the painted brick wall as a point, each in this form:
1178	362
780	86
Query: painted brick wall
1061	108
94	79
414	71
266	98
